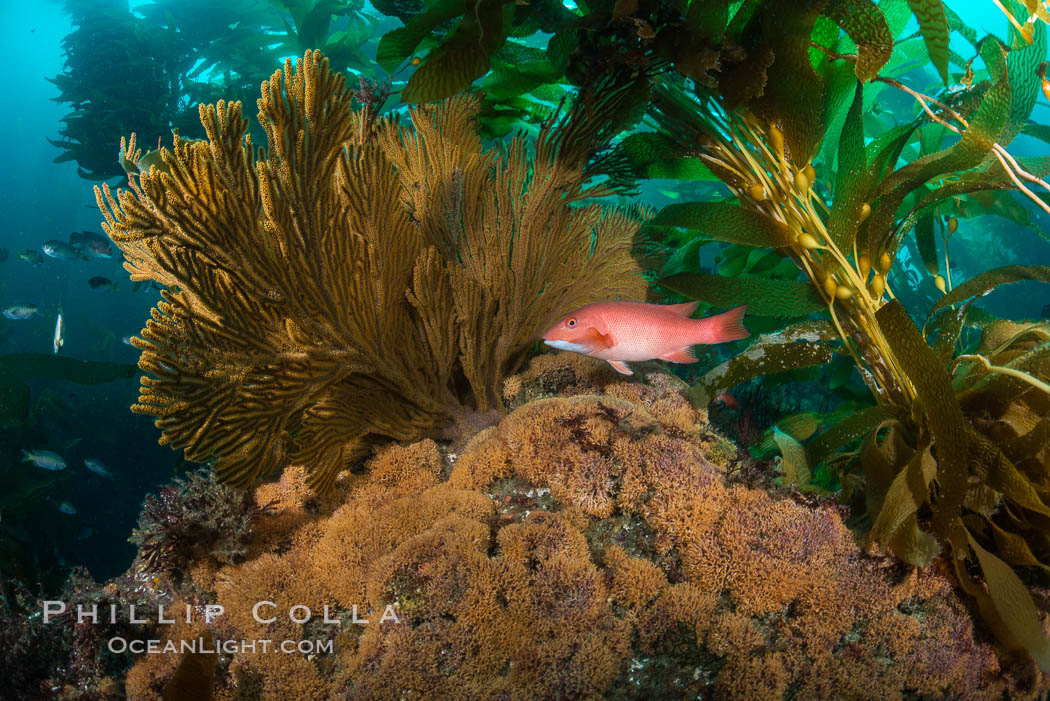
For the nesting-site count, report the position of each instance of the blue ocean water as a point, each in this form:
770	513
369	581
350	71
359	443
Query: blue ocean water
42	200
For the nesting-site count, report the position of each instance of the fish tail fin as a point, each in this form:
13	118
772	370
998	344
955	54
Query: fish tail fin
728	326
26	457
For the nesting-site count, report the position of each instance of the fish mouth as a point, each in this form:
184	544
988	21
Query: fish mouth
567	345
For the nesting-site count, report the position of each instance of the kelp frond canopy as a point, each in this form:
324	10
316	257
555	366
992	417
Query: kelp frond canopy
356	280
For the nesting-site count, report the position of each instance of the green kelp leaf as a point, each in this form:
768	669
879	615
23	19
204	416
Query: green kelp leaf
727	222
741	14
943	414
516	53
687	168
560	46
799	426
1006	604
798	346
927	245
708	19
462	57
851	179
968	152
1025	85
948	327
840	84
686	258
1037	130
956	24
825	33
643	148
866	26
933	24
506	81
793	462
802	425
793	97
397	45
885	150
849	429
989	280
657	156
778	298
897	15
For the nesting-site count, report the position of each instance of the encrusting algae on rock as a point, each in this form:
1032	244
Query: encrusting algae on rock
589	546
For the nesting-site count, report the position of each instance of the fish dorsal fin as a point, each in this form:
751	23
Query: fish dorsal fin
684	309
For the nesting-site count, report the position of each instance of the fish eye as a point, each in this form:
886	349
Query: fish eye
571	322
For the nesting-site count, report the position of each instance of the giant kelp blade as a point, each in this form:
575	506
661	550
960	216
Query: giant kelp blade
793	461
727	222
933	388
927	245
793	97
1022	64
1006	605
1013	549
656	155
933	24
463	56
978	139
763	297
896	525
397	45
844	432
852	178
799	346
865	24
989	280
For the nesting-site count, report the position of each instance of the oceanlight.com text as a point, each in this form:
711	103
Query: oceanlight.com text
228	647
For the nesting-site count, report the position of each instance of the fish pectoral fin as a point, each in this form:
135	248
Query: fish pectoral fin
600	341
682	355
621	367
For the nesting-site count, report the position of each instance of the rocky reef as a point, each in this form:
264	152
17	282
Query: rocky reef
600	541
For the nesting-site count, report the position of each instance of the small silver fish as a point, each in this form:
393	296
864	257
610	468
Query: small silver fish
67	508
22	311
45	459
59	330
126	340
98	467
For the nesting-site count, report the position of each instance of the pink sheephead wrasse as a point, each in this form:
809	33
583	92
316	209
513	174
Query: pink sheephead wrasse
618	332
